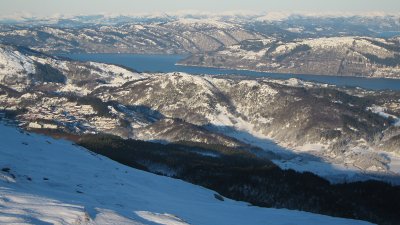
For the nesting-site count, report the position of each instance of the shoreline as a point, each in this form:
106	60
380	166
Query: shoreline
288	74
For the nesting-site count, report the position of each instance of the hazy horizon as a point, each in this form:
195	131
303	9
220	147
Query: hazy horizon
46	8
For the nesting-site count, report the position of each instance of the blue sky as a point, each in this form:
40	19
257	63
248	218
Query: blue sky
51	7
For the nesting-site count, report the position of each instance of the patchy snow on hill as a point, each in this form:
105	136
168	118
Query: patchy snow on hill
43	180
382	112
116	74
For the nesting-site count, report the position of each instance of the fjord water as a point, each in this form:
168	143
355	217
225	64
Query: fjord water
167	63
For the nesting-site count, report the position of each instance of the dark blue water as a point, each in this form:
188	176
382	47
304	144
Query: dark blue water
389	34
166	63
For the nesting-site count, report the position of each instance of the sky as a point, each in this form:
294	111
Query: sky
75	7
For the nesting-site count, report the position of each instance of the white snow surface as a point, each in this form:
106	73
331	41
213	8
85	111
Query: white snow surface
55	182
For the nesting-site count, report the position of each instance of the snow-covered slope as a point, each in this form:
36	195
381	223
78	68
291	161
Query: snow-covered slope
15	67
43	180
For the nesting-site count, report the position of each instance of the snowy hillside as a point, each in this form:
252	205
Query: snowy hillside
43	180
21	68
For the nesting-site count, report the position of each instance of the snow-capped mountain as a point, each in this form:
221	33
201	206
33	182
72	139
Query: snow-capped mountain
343	56
44	180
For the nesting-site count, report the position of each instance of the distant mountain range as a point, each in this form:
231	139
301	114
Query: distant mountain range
181	33
238	16
175	37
